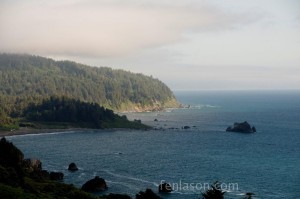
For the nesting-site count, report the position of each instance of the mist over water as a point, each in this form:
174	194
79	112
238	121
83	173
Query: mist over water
265	163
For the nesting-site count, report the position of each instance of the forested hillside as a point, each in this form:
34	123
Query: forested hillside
65	111
25	78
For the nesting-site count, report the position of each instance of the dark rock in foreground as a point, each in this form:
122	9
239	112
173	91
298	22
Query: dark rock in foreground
57	176
32	164
165	188
95	185
148	194
72	167
117	196
243	127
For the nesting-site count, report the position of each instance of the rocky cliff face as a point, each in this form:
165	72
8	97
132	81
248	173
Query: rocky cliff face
154	106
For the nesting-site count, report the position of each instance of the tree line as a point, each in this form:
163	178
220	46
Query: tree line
27	77
61	109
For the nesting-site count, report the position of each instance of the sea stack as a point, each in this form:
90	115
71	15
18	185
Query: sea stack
243	127
72	167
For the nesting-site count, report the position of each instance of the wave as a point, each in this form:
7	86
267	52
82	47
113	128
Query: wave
184	193
200	106
129	186
41	134
131	178
82	175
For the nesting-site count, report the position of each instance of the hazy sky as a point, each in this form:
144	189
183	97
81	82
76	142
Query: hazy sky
188	44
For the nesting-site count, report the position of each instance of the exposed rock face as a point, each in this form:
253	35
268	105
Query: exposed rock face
57	176
32	164
34	167
95	185
72	167
243	127
165	188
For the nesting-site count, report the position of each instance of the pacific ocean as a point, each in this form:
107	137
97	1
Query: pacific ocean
266	163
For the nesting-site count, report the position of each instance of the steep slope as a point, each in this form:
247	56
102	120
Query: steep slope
26	76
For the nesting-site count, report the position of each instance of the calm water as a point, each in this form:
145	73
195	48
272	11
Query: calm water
266	163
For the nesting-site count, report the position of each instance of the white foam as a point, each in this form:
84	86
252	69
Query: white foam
124	184
81	175
183	193
200	106
41	133
131	178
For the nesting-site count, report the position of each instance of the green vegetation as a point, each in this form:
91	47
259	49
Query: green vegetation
38	92
25	78
62	112
7	123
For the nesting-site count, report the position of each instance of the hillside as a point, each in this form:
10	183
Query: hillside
26	77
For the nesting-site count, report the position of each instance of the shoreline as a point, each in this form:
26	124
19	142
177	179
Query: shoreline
31	131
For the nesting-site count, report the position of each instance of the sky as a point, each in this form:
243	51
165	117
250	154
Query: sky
189	45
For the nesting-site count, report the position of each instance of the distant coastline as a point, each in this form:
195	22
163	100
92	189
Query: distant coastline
31	131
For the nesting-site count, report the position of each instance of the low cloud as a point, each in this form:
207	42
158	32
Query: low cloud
102	28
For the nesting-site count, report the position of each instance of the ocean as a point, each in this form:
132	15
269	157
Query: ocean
266	163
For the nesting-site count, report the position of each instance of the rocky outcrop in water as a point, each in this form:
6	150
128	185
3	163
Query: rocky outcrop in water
165	188
243	127
72	167
95	185
186	127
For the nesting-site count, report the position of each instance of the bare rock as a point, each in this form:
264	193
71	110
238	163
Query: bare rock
95	185
165	188
243	127
72	167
